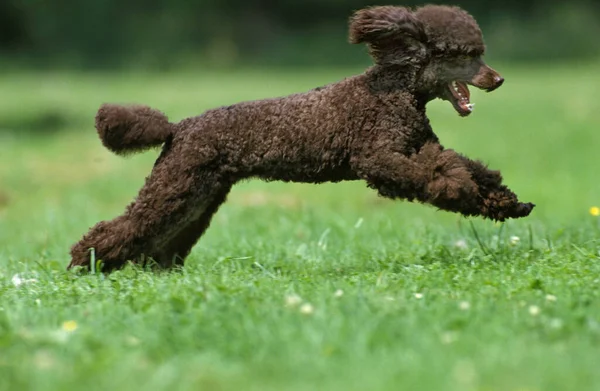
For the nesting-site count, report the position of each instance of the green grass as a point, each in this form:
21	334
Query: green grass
417	311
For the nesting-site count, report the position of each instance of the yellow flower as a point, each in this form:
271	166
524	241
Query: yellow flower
69	326
595	211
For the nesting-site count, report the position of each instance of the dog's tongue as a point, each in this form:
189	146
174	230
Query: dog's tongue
462	95
463	90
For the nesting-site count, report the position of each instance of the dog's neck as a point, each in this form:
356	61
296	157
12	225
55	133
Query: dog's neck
396	78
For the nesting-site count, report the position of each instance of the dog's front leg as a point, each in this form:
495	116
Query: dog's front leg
443	178
498	202
431	176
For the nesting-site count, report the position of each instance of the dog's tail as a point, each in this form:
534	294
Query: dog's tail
130	129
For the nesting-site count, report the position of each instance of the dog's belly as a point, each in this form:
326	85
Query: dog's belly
305	173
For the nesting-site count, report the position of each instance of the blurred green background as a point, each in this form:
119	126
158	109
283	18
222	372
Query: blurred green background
170	34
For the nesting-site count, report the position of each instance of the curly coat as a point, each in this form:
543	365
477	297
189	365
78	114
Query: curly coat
371	127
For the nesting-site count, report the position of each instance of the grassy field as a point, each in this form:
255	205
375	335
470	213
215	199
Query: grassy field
299	287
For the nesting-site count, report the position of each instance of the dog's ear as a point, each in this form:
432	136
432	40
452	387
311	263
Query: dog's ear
378	25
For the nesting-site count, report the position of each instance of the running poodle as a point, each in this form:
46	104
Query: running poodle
371	127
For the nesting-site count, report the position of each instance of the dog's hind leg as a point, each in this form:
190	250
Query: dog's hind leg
167	217
174	252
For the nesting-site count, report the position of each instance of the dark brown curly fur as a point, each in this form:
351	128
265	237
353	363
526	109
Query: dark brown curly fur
371	127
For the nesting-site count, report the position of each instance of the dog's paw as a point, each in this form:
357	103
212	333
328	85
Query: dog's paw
523	209
519	210
80	257
503	204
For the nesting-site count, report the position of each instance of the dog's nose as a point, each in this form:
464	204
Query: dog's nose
498	80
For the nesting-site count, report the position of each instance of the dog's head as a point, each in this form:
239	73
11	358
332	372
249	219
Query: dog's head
443	45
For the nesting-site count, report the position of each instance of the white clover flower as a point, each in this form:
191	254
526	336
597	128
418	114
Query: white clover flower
418	296
534	310
17	280
292	300
338	293
514	240
461	244
464	305
307	309
550	298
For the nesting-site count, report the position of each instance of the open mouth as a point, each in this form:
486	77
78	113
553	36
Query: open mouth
459	97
